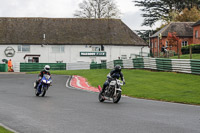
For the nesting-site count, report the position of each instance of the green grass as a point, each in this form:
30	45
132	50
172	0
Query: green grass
187	56
3	130
163	86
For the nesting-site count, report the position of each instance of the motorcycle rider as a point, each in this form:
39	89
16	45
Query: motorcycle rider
116	73
44	71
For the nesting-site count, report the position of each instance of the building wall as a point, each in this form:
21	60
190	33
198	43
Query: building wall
196	40
71	53
163	42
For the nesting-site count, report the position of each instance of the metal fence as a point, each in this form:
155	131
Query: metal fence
160	64
28	67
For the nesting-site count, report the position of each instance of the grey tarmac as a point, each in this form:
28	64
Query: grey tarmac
66	110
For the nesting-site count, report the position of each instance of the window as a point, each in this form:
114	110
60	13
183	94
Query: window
124	57
58	49
103	61
102	48
184	43
166	44
196	34
96	48
33	59
155	44
23	48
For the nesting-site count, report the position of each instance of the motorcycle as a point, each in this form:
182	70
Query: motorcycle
112	92
43	86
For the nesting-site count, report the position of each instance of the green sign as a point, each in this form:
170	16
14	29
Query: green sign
92	53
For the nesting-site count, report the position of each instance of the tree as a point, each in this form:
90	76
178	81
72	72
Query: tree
174	41
192	15
98	9
155	10
144	34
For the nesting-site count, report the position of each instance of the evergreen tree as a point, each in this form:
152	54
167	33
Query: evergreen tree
155	10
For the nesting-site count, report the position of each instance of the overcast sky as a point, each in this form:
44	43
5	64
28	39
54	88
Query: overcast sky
131	15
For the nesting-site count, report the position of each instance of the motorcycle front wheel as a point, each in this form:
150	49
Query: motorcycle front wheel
43	91
117	97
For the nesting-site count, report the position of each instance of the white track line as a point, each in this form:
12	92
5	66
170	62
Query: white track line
4	126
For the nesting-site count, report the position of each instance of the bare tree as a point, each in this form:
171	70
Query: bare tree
97	9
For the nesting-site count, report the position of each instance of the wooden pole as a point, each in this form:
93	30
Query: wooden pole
190	52
178	50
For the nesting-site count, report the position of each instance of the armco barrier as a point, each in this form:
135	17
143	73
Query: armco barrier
78	66
98	66
28	67
138	63
164	64
160	64
3	67
195	66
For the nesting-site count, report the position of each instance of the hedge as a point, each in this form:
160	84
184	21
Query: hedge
195	49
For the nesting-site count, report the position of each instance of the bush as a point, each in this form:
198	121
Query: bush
195	49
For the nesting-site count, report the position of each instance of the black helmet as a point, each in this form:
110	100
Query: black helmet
118	68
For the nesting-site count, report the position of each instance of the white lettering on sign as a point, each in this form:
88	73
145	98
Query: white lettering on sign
92	53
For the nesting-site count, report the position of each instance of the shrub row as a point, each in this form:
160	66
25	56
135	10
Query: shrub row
195	49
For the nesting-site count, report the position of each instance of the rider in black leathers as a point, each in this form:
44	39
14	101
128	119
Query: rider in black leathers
116	73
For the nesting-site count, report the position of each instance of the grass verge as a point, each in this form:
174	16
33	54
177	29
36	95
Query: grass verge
3	130
163	86
187	56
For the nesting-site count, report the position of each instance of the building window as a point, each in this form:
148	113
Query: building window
96	48
196	34
103	61
23	48
155	45
58	49
102	48
184	43
166	44
123	57
33	59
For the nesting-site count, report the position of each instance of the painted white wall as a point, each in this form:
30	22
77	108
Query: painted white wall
71	53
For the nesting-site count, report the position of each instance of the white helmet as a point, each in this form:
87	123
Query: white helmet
47	68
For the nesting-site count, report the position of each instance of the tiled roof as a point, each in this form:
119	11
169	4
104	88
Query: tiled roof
183	29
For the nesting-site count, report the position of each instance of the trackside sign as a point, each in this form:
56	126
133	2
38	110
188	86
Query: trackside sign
92	53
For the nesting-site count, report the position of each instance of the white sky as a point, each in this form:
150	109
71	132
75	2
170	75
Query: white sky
131	15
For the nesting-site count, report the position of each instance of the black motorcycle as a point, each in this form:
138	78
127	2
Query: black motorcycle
112	92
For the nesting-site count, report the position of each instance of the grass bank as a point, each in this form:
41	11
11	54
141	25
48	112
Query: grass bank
164	86
3	130
187	56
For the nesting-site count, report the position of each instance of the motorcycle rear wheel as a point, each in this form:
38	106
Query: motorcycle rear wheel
37	93
117	97
101	98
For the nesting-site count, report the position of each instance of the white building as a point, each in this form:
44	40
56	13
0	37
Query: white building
51	40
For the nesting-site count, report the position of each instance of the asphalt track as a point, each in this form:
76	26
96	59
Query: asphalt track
66	110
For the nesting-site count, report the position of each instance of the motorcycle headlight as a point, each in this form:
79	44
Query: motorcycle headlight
48	82
44	81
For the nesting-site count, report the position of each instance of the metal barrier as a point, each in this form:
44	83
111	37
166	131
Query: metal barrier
160	64
28	67
3	67
78	66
